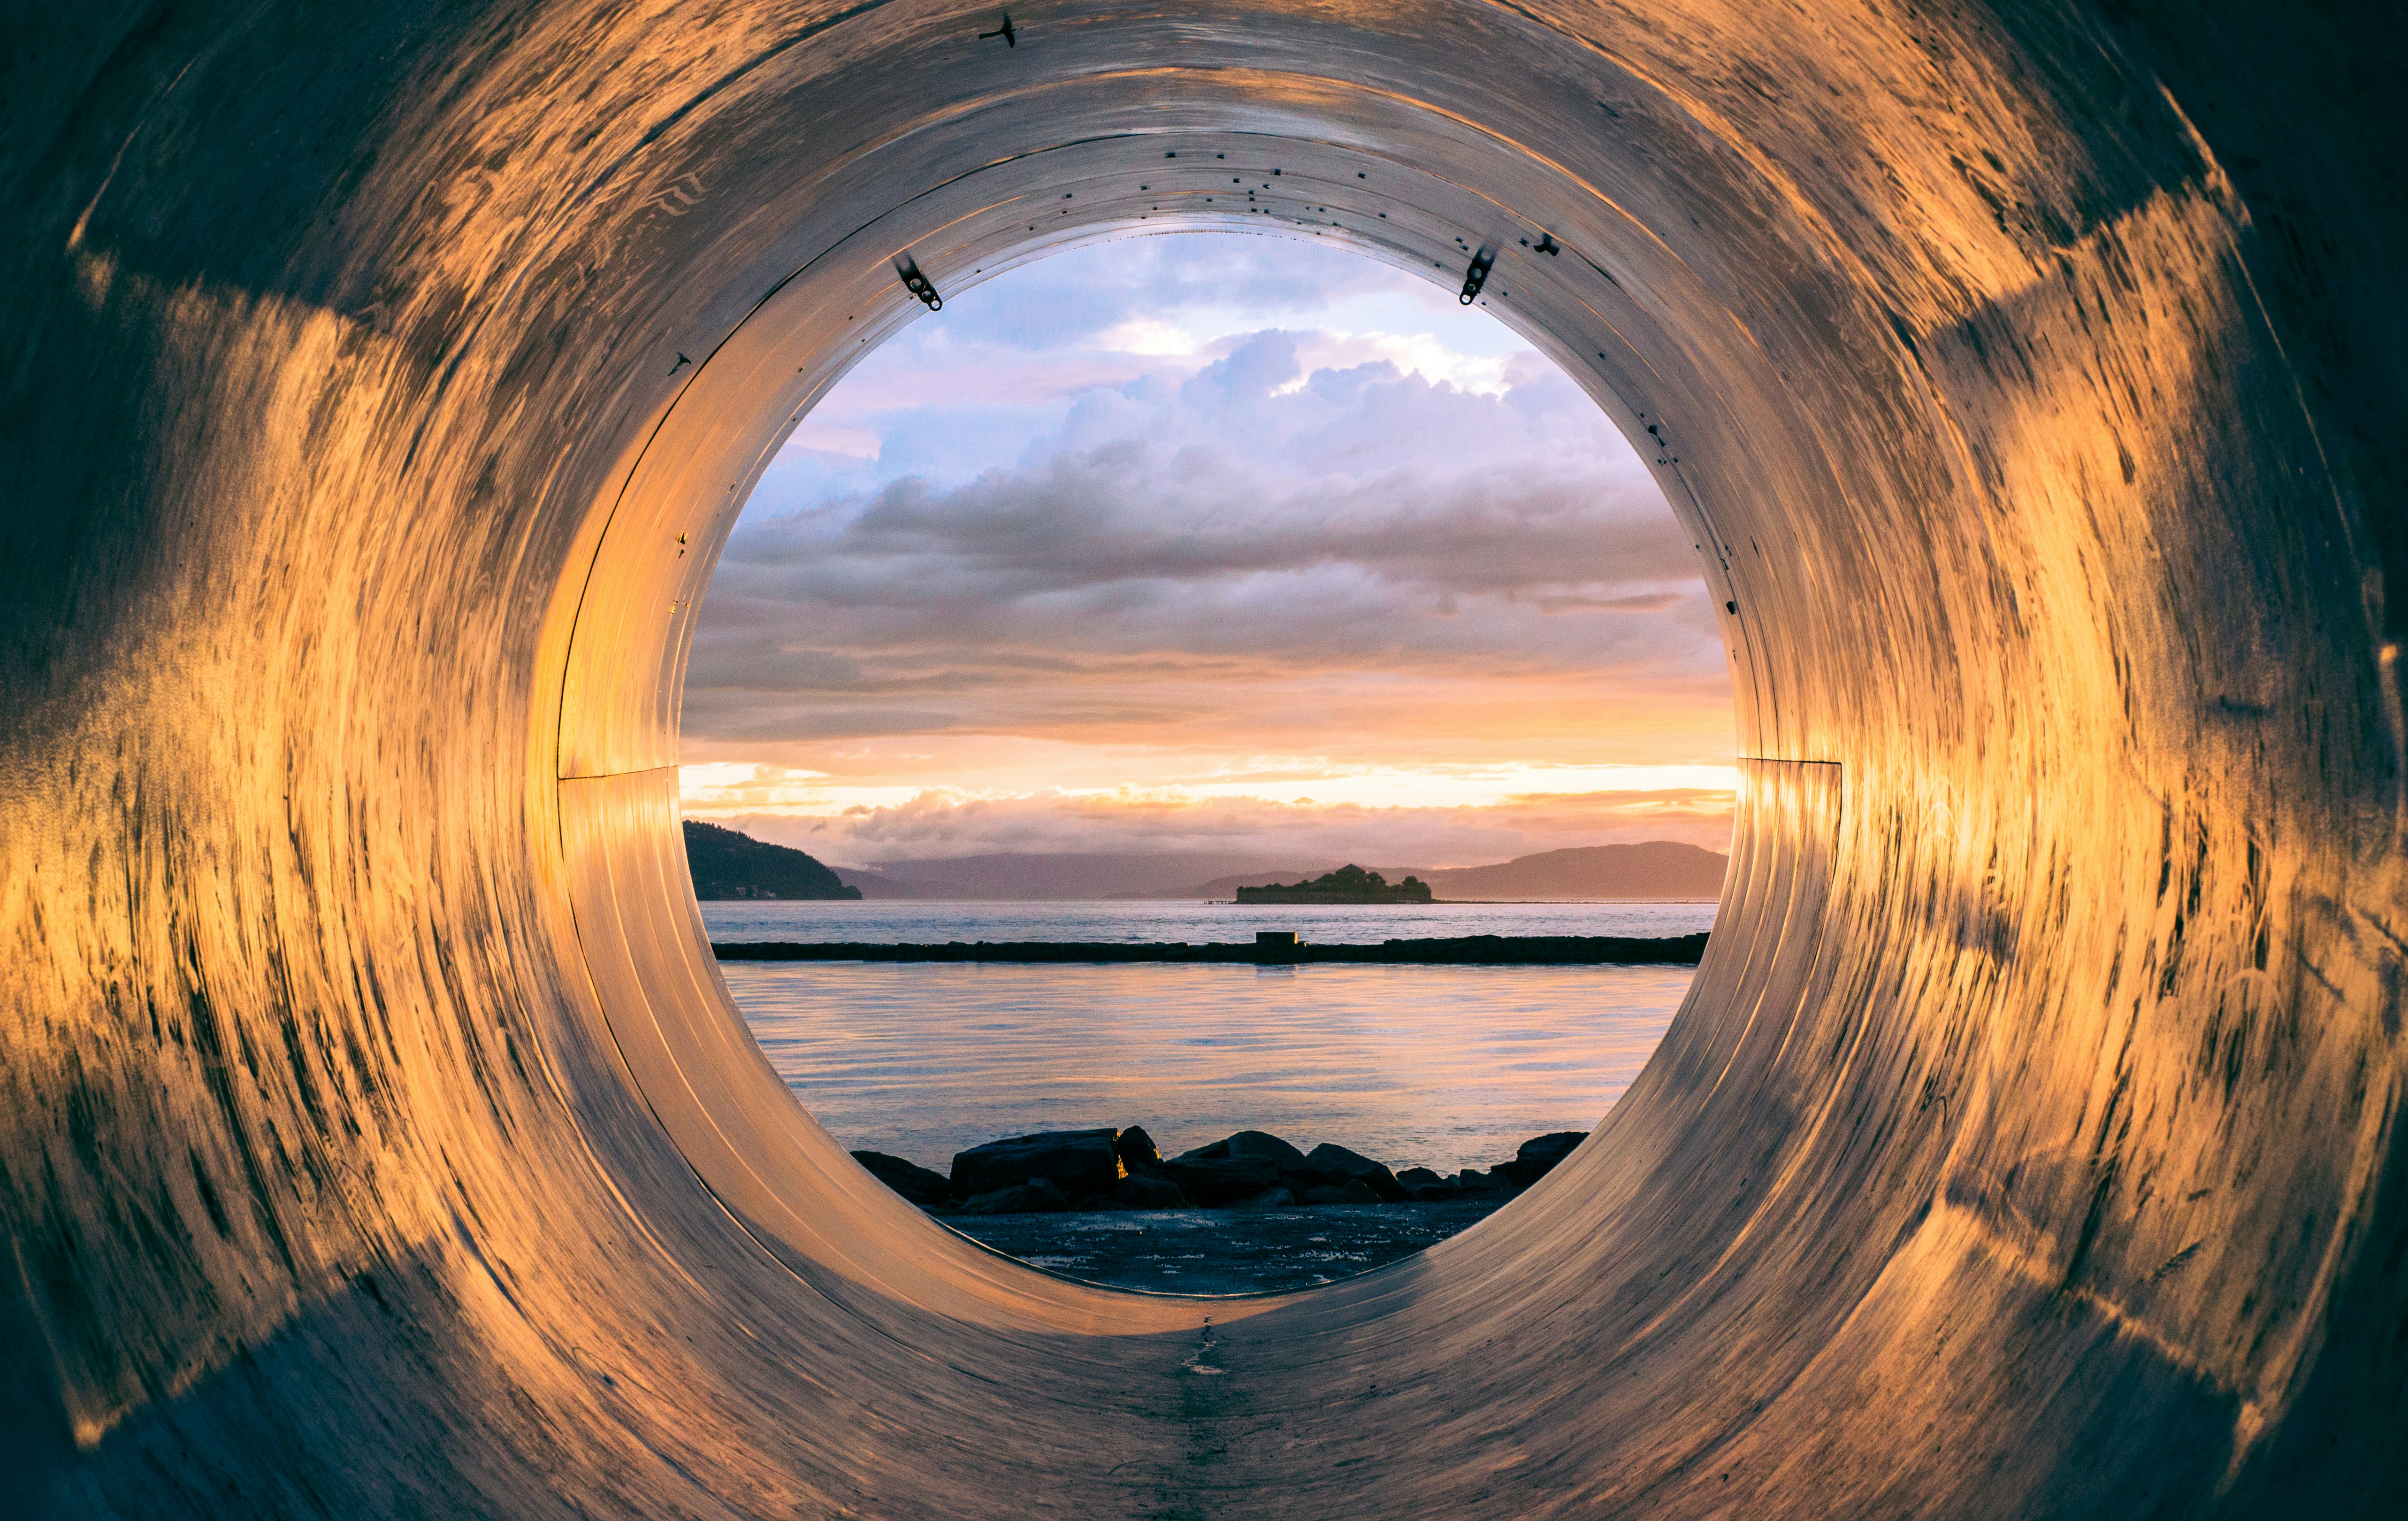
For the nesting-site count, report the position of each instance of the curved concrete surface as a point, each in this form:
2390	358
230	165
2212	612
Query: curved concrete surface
376	1137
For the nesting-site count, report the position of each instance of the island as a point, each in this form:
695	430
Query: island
1347	884
728	865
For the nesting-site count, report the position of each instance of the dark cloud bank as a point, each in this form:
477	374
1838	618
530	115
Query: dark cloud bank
1219	527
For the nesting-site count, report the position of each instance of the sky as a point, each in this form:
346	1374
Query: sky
1208	542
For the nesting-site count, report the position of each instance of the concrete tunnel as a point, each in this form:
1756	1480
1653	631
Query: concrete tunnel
377	1138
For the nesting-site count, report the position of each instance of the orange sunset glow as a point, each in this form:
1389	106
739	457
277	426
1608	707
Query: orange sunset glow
1208	542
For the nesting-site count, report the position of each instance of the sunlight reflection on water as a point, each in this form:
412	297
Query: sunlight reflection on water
1442	1066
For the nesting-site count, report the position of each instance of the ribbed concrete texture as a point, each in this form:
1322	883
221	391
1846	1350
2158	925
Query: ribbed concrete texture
381	381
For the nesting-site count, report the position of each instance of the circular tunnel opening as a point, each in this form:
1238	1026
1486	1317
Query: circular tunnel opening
673	516
2027	1142
1160	569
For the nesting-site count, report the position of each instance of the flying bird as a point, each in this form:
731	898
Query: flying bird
1004	31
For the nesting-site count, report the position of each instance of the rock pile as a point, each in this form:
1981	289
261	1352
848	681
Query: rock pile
1123	1169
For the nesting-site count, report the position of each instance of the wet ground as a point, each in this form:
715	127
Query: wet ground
1225	1251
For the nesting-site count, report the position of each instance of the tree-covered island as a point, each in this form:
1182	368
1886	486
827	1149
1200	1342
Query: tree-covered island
1347	884
728	865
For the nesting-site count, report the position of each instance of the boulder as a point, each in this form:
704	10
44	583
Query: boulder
1148	1191
1251	1146
1537	1156
1360	1191
1217	1182
1552	1147
1137	1150
1420	1183
1074	1161
913	1181
1036	1197
1338	1167
1235	1171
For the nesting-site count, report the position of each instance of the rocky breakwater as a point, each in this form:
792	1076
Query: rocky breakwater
1107	1170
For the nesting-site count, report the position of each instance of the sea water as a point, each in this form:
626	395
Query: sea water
1122	923
1441	1067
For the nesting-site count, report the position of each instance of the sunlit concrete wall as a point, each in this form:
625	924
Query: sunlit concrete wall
376	1137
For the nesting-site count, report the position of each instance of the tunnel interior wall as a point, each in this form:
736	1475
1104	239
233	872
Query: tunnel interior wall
376	1137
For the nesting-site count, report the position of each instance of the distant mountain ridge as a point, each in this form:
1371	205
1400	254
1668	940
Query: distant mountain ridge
1660	871
1657	871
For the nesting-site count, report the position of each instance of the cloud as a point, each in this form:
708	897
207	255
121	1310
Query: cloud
932	824
1315	550
951	391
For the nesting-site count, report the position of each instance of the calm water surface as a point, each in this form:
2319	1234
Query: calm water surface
1442	1066
1121	922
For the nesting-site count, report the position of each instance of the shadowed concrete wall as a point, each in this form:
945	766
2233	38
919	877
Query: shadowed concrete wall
376	1137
